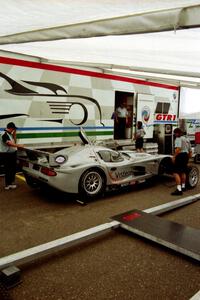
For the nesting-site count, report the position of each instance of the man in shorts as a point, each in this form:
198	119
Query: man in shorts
180	159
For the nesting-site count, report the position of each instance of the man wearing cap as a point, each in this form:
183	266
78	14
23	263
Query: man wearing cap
8	152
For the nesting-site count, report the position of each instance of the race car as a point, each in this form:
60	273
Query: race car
89	169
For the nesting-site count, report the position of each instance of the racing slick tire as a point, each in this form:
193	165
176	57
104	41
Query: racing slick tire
30	181
165	166
92	183
192	178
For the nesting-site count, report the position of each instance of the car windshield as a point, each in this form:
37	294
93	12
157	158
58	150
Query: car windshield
110	156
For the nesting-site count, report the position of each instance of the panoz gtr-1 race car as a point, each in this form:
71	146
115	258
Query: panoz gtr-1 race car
88	169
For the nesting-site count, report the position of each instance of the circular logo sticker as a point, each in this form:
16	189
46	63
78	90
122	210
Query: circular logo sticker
145	114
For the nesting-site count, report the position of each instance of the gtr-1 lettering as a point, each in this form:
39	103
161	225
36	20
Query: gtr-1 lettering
165	117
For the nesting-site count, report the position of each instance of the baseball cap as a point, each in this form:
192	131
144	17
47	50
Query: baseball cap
11	125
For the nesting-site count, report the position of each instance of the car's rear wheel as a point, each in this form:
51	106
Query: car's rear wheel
192	176
92	183
30	181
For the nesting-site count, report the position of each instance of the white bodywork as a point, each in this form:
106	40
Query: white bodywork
89	168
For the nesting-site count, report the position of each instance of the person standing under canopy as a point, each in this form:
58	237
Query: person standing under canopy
139	137
121	117
180	159
8	154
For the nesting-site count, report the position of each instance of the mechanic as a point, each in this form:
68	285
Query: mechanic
139	137
180	159
8	154
121	117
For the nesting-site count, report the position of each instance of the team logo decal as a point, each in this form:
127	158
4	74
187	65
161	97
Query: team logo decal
145	114
59	105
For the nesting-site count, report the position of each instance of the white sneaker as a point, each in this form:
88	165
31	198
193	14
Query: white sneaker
11	186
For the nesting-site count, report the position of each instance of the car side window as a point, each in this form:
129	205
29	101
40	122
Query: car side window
110	156
116	156
126	155
104	155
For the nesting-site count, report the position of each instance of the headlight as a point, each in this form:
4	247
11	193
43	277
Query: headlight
60	159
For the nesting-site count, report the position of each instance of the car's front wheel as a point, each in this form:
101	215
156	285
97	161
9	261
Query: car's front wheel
192	176
92	183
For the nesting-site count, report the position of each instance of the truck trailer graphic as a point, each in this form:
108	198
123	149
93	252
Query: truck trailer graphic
49	103
56	107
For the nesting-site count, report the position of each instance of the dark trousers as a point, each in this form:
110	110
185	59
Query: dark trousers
9	160
121	128
139	143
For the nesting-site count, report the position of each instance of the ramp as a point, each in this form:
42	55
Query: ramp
183	239
123	220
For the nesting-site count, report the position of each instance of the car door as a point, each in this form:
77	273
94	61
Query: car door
119	167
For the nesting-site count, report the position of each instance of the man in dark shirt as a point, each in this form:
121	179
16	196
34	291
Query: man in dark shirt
8	153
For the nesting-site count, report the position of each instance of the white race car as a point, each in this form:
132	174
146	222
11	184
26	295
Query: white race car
89	169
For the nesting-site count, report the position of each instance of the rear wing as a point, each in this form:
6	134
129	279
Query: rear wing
42	157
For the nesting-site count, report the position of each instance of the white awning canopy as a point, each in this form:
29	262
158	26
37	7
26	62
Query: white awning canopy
105	33
41	20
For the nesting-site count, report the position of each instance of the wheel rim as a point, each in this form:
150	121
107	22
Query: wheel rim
193	177
92	183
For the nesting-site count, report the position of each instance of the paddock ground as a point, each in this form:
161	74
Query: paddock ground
118	265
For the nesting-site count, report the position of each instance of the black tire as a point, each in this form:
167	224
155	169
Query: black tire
30	181
165	166
92	183
192	177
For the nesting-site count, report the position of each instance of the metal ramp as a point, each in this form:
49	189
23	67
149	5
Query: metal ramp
145	223
183	239
125	220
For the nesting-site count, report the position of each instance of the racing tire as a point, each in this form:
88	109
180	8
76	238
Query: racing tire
30	181
165	166
192	178
92	183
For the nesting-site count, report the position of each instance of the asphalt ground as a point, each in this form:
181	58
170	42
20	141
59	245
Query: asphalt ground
118	265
